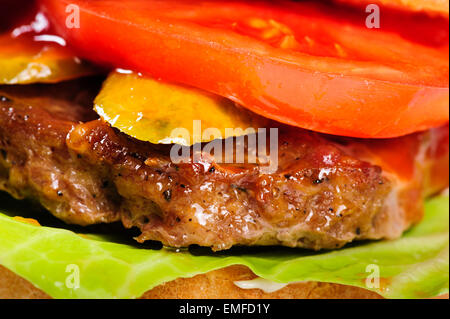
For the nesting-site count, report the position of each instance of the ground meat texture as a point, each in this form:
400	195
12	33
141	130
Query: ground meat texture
327	191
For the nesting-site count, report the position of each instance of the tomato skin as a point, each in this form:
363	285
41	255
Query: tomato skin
430	6
290	88
15	12
27	54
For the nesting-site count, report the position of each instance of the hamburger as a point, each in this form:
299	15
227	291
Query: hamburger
224	149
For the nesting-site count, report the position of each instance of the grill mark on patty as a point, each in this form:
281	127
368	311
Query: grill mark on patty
186	204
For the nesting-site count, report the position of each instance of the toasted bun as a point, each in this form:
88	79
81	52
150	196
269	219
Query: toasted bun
218	284
15	287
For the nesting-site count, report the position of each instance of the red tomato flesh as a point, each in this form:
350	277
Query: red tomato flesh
306	64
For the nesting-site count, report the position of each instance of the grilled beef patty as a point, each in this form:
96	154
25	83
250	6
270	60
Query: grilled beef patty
327	191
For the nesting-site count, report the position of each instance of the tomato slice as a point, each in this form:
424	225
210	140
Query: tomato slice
16	12
430	6
28	54
306	64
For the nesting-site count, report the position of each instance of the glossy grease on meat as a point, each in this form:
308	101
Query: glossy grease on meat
326	192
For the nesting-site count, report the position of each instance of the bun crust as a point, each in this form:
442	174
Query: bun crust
14	287
217	284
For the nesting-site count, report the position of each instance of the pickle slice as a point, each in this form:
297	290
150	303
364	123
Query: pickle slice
162	113
24	60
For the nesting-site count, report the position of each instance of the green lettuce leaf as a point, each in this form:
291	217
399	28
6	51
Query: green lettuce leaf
414	266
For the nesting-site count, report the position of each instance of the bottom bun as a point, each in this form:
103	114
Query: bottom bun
217	284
